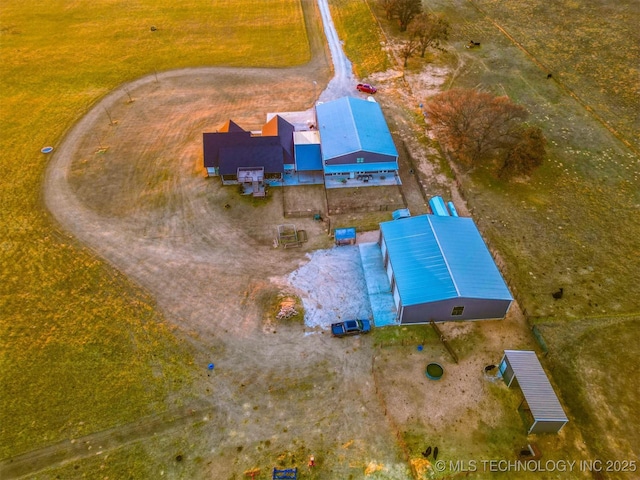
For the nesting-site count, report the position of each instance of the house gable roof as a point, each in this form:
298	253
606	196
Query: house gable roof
230	126
234	147
279	127
213	142
258	152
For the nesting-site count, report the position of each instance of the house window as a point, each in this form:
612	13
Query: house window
360	160
457	311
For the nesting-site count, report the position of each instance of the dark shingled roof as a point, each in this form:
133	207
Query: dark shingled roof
279	127
213	142
262	152
233	147
231	126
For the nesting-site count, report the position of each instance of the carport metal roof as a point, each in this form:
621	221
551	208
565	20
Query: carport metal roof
535	386
437	258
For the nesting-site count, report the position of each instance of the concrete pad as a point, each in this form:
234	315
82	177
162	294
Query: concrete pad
378	286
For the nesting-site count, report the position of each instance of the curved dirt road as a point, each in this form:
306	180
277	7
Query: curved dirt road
144	205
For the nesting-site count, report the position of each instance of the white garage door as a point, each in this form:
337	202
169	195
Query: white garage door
396	297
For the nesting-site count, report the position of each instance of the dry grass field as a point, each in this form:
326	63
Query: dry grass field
115	326
84	348
574	223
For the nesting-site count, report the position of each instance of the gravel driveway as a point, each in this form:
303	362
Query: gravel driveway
146	207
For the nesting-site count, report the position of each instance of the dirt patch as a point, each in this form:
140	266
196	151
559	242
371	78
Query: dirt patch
151	212
137	195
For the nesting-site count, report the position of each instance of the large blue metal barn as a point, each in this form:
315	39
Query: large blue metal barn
440	268
355	139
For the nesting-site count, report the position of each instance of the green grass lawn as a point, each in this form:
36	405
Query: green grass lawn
356	27
83	348
575	222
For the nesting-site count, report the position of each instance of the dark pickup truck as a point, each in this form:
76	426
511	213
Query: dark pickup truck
350	327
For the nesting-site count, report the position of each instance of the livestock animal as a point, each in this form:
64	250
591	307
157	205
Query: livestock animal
558	295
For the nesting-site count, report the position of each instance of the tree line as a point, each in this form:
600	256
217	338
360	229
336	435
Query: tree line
475	127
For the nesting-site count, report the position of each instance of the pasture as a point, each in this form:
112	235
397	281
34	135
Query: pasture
574	223
84	348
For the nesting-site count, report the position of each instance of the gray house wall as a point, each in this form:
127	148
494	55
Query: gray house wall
352	158
440	311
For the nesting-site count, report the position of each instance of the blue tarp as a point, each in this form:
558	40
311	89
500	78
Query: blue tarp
343	234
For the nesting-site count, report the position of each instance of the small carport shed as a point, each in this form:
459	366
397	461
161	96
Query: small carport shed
540	403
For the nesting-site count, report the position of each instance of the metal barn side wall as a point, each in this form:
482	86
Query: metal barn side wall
440	311
389	270
369	159
396	297
546	426
383	249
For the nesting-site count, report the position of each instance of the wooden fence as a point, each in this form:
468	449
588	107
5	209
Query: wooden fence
385	207
302	213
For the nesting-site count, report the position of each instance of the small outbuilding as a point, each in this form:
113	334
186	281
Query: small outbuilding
440	269
345	236
540	405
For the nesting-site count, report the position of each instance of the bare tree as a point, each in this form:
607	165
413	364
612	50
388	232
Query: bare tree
408	48
474	125
389	7
526	154
429	30
406	10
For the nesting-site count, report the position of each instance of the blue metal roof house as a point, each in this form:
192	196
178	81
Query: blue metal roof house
440	268
355	138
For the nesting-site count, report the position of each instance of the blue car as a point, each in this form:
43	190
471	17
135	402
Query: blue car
350	327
